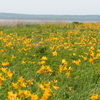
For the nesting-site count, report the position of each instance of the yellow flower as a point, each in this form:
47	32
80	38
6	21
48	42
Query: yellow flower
91	60
42	63
44	58
15	85
1	79
97	56
95	97
29	82
47	84
45	70
12	96
70	88
21	79
0	83
74	54
54	53
27	93
52	48
47	94
23	84
23	62
61	69
41	86
34	55
70	68
24	93
68	74
98	50
76	62
5	63
9	74
30	62
92	54
85	58
12	57
3	70
55	87
64	62
34	97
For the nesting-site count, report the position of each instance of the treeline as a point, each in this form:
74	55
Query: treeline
50	17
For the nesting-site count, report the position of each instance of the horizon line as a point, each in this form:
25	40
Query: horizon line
54	14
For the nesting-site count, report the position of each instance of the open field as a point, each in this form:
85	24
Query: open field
49	61
28	22
6	22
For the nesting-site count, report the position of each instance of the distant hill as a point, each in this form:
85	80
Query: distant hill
50	17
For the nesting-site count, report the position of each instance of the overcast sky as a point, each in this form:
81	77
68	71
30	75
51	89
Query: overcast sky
56	7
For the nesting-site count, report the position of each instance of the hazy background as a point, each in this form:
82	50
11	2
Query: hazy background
56	7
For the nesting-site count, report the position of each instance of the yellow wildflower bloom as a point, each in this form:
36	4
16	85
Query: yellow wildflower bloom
92	54
12	96
21	79
85	58
42	63
9	74
70	68
12	57
23	84
62	68
55	87
76	62
54	53
15	85
1	79
91	60
52	48
95	97
45	70
24	93
34	97
47	84
68	74
41	86
70	88
5	63
44	58
23	62
29	82
47	94
3	70
97	56
64	62
98	50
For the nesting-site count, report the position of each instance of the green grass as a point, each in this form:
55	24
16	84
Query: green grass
30	43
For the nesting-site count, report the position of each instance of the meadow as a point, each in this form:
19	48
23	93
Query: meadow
50	62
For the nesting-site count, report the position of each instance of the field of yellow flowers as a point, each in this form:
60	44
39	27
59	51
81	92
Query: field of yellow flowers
50	62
